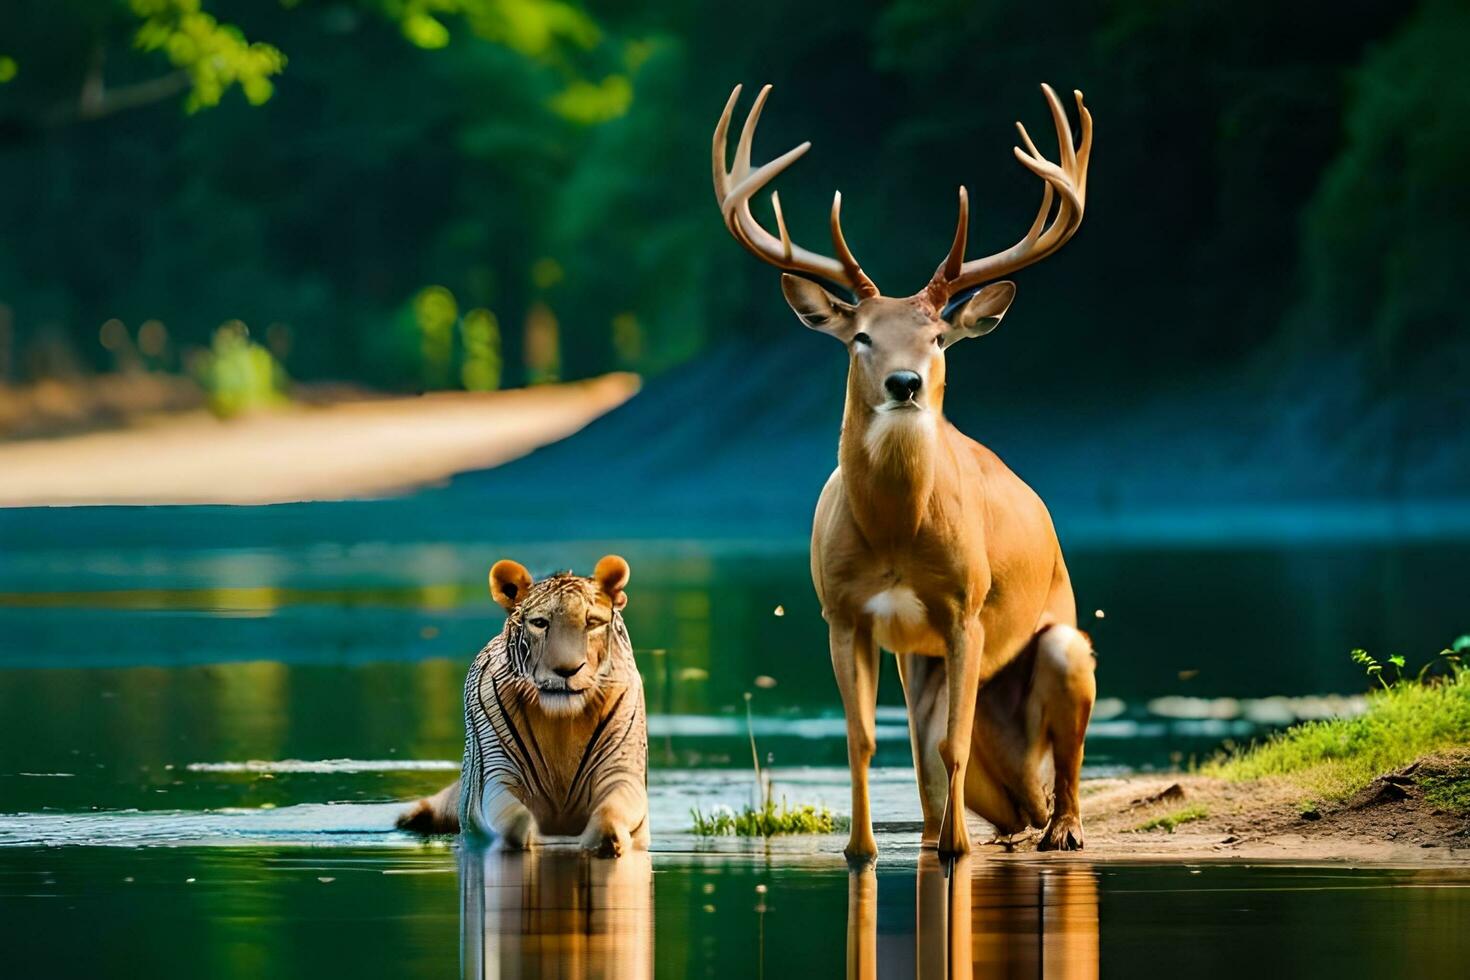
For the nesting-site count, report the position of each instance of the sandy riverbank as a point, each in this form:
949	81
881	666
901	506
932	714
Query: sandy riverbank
332	452
1389	822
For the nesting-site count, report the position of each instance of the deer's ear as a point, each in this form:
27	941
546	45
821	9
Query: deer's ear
509	583
981	312
818	308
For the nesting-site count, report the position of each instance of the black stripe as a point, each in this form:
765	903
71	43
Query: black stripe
592	744
510	726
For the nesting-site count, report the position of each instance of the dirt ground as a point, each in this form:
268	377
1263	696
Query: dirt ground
323	452
1388	822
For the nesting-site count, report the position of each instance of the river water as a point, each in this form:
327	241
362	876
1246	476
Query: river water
199	750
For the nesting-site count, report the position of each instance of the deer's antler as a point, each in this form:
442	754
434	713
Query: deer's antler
1066	182
735	187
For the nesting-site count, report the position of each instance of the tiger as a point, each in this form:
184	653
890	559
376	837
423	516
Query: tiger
556	732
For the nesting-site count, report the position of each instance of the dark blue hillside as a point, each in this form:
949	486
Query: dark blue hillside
737	445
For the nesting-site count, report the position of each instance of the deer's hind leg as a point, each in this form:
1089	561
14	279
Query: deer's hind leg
1058	708
924	695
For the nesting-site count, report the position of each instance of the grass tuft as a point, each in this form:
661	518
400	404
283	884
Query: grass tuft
767	821
1171	820
1450	790
1334	759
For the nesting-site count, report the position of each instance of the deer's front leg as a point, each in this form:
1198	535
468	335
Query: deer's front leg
855	664
962	674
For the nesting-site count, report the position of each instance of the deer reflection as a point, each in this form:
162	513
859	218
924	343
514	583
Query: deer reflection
550	912
991	919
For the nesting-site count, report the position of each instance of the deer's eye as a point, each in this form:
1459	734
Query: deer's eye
939	340
540	622
595	624
862	338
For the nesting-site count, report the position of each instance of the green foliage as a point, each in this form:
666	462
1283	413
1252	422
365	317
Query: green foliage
1447	660
589	103
465	142
216	56
239	375
1335	758
480	369
550	32
1385	231
1170	821
767	821
435	313
1450	790
8	68
534	28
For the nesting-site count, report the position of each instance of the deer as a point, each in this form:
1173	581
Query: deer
924	543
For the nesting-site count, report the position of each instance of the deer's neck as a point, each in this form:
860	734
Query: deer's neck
888	467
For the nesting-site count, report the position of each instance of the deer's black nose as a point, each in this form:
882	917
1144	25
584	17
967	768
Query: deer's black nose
567	673
903	385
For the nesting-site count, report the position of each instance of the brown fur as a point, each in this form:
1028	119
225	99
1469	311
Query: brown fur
925	543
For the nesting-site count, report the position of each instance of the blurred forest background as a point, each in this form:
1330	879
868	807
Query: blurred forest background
255	198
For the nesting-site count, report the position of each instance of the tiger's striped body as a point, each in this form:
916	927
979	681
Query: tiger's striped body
552	750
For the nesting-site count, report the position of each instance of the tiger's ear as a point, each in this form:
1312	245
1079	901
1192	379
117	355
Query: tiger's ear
611	575
509	582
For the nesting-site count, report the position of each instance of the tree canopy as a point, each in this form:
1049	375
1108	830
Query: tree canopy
429	193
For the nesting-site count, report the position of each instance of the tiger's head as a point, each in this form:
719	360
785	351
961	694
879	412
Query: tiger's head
561	632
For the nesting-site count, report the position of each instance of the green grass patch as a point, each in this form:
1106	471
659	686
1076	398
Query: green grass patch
1171	820
767	821
1450	790
1333	759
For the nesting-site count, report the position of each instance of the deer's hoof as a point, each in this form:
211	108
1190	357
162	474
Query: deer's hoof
1064	833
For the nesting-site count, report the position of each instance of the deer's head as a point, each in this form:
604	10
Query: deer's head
896	345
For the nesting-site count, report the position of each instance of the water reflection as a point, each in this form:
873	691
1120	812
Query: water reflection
991	919
554	912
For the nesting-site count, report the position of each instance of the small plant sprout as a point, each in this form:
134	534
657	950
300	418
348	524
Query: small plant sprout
765	819
1414	716
1170	821
762	790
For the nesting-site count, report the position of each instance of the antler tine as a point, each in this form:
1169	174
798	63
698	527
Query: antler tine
735	187
747	135
938	290
956	258
860	282
722	132
1064	128
781	226
1065	182
1084	153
